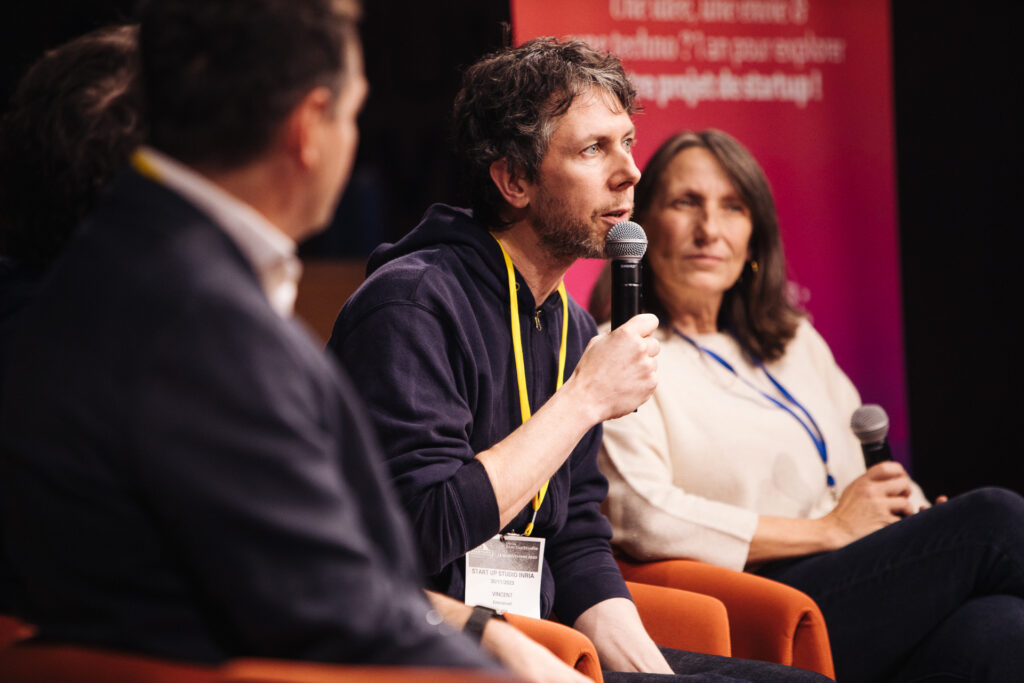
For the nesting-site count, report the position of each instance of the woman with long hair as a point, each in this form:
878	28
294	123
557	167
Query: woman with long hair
744	456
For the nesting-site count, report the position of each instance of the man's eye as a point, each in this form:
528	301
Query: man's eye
592	149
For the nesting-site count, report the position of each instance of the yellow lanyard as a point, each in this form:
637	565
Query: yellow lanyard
142	164
517	348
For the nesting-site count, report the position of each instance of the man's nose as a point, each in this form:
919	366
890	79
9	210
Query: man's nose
626	174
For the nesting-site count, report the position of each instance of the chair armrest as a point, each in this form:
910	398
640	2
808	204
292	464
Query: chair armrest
282	671
28	663
31	663
568	644
768	620
682	620
12	630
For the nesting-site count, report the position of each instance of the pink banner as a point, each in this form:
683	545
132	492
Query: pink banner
806	86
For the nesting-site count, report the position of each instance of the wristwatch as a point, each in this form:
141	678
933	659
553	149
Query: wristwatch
474	627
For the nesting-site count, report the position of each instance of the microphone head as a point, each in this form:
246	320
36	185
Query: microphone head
626	240
870	423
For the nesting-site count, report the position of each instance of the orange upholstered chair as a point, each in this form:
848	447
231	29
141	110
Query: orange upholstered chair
674	618
681	619
277	671
568	644
28	663
768	621
12	630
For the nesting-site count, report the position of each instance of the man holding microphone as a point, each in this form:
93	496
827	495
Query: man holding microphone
488	385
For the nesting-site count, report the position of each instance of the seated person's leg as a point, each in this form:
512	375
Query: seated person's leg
981	641
905	579
700	667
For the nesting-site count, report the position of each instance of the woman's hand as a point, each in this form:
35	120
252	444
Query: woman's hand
876	499
873	500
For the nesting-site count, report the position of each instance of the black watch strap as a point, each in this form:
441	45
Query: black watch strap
474	627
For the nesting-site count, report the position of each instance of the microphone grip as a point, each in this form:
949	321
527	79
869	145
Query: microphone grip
626	287
875	453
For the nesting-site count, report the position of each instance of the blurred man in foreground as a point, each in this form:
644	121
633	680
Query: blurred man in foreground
185	474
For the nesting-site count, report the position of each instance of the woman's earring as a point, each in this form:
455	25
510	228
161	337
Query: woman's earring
753	265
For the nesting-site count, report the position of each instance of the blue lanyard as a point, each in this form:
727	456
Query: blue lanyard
810	426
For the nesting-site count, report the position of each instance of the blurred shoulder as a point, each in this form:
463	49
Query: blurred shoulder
427	278
808	346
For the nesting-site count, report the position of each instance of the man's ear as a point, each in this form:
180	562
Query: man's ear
511	185
304	128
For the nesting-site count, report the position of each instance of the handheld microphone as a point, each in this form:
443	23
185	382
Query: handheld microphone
871	425
625	245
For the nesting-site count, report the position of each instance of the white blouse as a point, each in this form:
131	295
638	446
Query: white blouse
692	469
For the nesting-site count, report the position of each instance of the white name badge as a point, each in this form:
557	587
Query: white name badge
504	573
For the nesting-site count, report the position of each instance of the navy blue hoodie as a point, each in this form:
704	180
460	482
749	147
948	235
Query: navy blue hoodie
427	341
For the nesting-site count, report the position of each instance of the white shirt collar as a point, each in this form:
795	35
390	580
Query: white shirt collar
270	251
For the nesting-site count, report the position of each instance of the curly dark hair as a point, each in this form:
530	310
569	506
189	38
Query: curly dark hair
74	119
755	310
219	77
508	106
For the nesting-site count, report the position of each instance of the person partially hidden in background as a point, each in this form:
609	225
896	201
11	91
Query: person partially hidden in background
185	474
73	121
744	456
486	382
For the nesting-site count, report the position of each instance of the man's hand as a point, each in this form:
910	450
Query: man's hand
873	500
614	376
620	639
618	369
525	657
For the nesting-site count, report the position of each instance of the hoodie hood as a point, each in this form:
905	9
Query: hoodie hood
446	227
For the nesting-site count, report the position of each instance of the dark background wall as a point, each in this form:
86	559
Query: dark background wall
958	91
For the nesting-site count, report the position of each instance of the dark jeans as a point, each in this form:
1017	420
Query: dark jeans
690	666
938	596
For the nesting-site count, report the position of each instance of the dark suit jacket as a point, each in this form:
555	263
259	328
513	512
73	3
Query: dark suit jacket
186	474
17	289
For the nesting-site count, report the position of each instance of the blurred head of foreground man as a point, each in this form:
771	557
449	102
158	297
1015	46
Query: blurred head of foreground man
488	384
185	474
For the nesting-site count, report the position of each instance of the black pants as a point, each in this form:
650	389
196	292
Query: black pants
690	666
938	596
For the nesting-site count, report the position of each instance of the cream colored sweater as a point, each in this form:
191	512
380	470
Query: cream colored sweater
692	469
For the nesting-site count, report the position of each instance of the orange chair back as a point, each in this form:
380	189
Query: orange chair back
681	619
768	621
